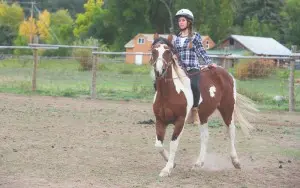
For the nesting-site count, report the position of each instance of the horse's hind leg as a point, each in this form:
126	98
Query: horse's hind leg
226	111
233	154
204	113
204	135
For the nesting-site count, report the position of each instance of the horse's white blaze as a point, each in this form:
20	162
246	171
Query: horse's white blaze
183	83
159	61
204	135
212	91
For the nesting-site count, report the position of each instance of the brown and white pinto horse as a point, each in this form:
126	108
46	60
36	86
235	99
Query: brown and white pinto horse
173	101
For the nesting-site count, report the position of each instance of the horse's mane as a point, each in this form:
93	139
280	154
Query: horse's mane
162	41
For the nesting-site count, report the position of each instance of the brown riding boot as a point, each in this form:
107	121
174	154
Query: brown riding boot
189	119
193	117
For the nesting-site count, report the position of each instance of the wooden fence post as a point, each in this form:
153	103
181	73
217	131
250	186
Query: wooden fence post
292	82
35	62
94	77
225	61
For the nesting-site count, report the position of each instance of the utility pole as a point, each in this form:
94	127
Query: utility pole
31	23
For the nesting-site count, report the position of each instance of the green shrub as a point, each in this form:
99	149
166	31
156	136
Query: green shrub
254	69
84	56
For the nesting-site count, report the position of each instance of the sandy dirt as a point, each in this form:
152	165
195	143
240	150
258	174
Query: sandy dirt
64	142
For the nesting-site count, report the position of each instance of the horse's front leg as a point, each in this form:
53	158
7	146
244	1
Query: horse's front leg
179	124
160	135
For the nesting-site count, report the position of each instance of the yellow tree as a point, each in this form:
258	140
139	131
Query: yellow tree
43	24
31	27
28	28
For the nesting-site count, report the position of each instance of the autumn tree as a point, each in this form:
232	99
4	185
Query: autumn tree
31	27
28	28
43	24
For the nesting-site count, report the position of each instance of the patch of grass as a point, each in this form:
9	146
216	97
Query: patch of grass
215	123
286	131
123	68
49	64
57	78
264	90
290	152
59	65
121	81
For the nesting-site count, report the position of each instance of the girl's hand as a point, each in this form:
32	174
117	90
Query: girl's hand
212	65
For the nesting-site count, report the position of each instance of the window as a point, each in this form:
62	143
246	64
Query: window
231	41
207	44
141	41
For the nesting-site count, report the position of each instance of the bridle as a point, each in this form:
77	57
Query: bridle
165	70
167	64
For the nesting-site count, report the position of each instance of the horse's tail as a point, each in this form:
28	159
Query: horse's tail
243	106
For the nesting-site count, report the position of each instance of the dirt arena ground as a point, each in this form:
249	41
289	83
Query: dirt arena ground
63	142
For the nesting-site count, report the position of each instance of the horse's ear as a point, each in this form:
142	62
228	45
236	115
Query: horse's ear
156	36
170	38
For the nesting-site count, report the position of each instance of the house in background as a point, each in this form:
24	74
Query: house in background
142	43
250	45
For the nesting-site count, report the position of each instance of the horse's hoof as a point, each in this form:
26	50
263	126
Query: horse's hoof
198	166
236	164
165	173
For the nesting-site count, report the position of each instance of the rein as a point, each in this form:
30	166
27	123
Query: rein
166	70
171	79
163	75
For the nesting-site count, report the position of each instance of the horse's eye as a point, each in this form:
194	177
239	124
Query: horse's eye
154	53
167	52
167	55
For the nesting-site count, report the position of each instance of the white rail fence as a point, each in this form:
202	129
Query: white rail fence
96	54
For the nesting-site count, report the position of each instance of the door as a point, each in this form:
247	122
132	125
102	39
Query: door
138	59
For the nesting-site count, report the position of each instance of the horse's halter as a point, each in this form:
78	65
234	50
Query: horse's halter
160	58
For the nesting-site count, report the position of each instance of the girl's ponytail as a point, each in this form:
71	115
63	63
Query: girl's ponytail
190	35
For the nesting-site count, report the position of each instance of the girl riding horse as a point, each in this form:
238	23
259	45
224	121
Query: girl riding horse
174	99
188	45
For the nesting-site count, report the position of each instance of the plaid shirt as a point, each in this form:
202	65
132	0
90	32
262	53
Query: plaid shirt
189	58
